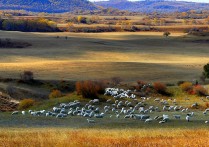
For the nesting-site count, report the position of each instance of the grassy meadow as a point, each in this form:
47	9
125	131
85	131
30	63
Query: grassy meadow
148	56
131	56
101	137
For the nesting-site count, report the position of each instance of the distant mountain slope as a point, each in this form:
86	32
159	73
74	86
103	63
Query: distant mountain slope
153	5
47	5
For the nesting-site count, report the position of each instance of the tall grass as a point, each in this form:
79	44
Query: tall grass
96	138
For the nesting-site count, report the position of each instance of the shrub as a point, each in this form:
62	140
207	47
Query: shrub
27	76
166	34
160	87
140	85
187	87
90	89
180	82
201	91
206	105
55	94
26	103
206	70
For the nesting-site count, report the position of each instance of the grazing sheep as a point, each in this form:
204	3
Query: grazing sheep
61	115
23	112
127	116
162	121
156	117
165	117
191	114
177	116
15	112
90	120
205	112
108	101
148	120
188	118
95	101
157	100
194	105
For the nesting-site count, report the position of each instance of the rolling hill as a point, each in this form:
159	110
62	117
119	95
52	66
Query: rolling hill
154	5
47	5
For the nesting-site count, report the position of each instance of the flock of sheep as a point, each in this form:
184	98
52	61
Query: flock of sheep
123	104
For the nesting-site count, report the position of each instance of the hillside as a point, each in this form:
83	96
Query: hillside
47	5
7	103
152	6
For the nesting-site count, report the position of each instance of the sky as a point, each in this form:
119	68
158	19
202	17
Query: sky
205	1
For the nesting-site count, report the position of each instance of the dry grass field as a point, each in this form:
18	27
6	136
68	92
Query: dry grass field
100	137
131	56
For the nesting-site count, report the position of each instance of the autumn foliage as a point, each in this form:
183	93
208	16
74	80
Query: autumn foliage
90	89
55	94
187	87
201	91
193	89
160	87
26	103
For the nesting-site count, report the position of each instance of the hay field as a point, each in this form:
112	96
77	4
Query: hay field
131	56
45	137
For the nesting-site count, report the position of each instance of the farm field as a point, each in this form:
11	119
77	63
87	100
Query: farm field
131	56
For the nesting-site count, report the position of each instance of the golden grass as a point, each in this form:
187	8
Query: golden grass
97	137
128	55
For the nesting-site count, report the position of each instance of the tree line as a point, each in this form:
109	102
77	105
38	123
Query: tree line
35	25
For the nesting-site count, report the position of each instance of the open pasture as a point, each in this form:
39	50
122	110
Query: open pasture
101	137
131	56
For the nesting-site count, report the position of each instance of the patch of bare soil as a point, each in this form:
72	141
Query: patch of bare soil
7	103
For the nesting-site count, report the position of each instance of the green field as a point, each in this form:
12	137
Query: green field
131	56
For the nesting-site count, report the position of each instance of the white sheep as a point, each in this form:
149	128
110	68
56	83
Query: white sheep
177	116
15	112
23	112
148	120
162	121
90	120
188	118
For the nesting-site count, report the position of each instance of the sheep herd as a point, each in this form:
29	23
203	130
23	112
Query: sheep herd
122	104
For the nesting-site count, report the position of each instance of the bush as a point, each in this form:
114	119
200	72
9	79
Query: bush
166	34
201	91
27	76
160	87
180	82
206	70
140	85
187	87
26	103
55	94
90	89
206	105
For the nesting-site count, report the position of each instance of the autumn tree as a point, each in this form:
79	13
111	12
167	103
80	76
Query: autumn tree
206	70
166	34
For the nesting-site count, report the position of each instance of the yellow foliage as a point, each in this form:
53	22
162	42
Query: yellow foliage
26	103
186	86
55	94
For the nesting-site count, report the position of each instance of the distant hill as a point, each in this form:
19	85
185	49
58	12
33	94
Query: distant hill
153	5
47	5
